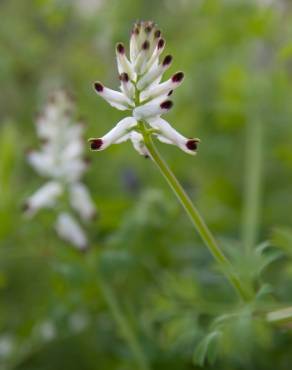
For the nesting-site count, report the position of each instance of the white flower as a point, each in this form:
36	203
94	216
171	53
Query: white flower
7	344
60	159
78	321
81	201
45	196
142	93
68	229
47	330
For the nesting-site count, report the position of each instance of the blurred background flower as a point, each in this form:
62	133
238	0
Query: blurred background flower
61	160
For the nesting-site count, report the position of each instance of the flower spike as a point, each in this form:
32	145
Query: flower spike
142	93
61	160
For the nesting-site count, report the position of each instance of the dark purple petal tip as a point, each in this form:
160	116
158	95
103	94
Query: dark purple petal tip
145	45
192	144
178	77
124	77
25	207
148	28
98	86
136	30
167	104
95	144
120	48
157	34
167	60
160	44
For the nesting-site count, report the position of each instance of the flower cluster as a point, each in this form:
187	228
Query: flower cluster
142	93
60	159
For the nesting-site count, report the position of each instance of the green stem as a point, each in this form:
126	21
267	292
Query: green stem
124	326
252	194
196	219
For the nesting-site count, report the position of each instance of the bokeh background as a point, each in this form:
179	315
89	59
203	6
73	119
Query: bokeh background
147	291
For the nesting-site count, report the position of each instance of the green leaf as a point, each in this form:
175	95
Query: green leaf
207	349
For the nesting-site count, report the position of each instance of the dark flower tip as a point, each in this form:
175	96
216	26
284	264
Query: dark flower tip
93	216
136	29
192	144
167	104
145	45
167	60
124	77
148	28
95	144
28	151
25	207
98	86
157	34
39	117
87	161
120	48
178	77
160	44
52	99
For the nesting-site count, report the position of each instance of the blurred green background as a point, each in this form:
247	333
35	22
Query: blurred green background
148	291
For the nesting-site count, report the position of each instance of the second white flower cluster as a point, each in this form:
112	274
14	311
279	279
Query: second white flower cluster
61	161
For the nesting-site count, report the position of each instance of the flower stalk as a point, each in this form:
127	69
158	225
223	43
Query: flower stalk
196	219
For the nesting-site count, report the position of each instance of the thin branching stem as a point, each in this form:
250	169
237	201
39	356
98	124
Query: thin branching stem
124	326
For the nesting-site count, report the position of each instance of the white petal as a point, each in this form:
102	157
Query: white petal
163	139
123	138
71	171
141	61
115	135
138	143
81	201
152	109
163	88
123	63
154	73
127	86
45	197
170	136
45	128
69	230
41	162
134	47
114	98
72	150
154	59
74	132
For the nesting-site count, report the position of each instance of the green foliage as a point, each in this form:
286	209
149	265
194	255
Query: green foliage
178	311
